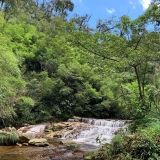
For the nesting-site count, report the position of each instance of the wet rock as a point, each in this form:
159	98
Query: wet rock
70	128
70	120
40	142
24	144
19	144
66	141
77	119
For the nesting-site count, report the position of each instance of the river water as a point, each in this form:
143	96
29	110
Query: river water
51	152
100	131
97	133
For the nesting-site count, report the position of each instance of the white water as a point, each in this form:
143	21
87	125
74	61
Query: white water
102	130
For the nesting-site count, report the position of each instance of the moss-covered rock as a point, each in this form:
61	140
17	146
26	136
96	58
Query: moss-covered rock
39	142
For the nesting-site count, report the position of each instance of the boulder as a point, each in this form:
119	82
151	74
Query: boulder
39	142
32	131
25	137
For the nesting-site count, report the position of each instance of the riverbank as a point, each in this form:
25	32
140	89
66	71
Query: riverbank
66	140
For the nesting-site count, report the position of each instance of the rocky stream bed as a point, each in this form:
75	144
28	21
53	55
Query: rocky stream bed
62	141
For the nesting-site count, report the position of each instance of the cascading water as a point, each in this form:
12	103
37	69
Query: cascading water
91	132
97	132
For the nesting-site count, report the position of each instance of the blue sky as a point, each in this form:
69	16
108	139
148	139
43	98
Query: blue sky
106	9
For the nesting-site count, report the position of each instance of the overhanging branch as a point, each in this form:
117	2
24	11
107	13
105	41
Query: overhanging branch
95	53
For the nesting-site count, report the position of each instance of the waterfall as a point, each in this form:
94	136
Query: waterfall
96	131
103	122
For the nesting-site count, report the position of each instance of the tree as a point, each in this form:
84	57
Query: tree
156	12
58	7
128	48
11	83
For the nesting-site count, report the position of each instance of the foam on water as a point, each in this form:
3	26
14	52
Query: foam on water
99	131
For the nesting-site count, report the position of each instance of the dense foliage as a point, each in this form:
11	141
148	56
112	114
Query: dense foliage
53	67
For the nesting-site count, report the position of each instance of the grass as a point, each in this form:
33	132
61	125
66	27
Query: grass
8	138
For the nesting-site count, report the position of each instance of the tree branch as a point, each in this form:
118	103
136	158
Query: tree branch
138	42
95	53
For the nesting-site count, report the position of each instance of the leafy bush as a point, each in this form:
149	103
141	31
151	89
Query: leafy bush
117	144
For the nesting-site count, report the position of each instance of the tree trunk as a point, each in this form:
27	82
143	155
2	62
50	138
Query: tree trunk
139	83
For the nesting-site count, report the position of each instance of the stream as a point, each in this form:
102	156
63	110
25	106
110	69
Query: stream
99	131
88	133
51	152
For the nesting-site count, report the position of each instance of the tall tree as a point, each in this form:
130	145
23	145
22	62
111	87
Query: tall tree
130	46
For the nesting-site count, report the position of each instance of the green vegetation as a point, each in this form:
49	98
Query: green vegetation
53	67
143	145
9	138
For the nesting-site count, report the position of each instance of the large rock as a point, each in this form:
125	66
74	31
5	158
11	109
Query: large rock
25	137
40	142
32	131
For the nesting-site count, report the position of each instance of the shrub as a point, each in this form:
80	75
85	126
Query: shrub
117	144
141	147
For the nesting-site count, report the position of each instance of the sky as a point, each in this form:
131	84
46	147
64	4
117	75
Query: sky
106	9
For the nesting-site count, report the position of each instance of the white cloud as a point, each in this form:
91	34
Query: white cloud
133	4
145	3
110	11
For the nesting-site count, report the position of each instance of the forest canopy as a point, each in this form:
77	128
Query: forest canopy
53	67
